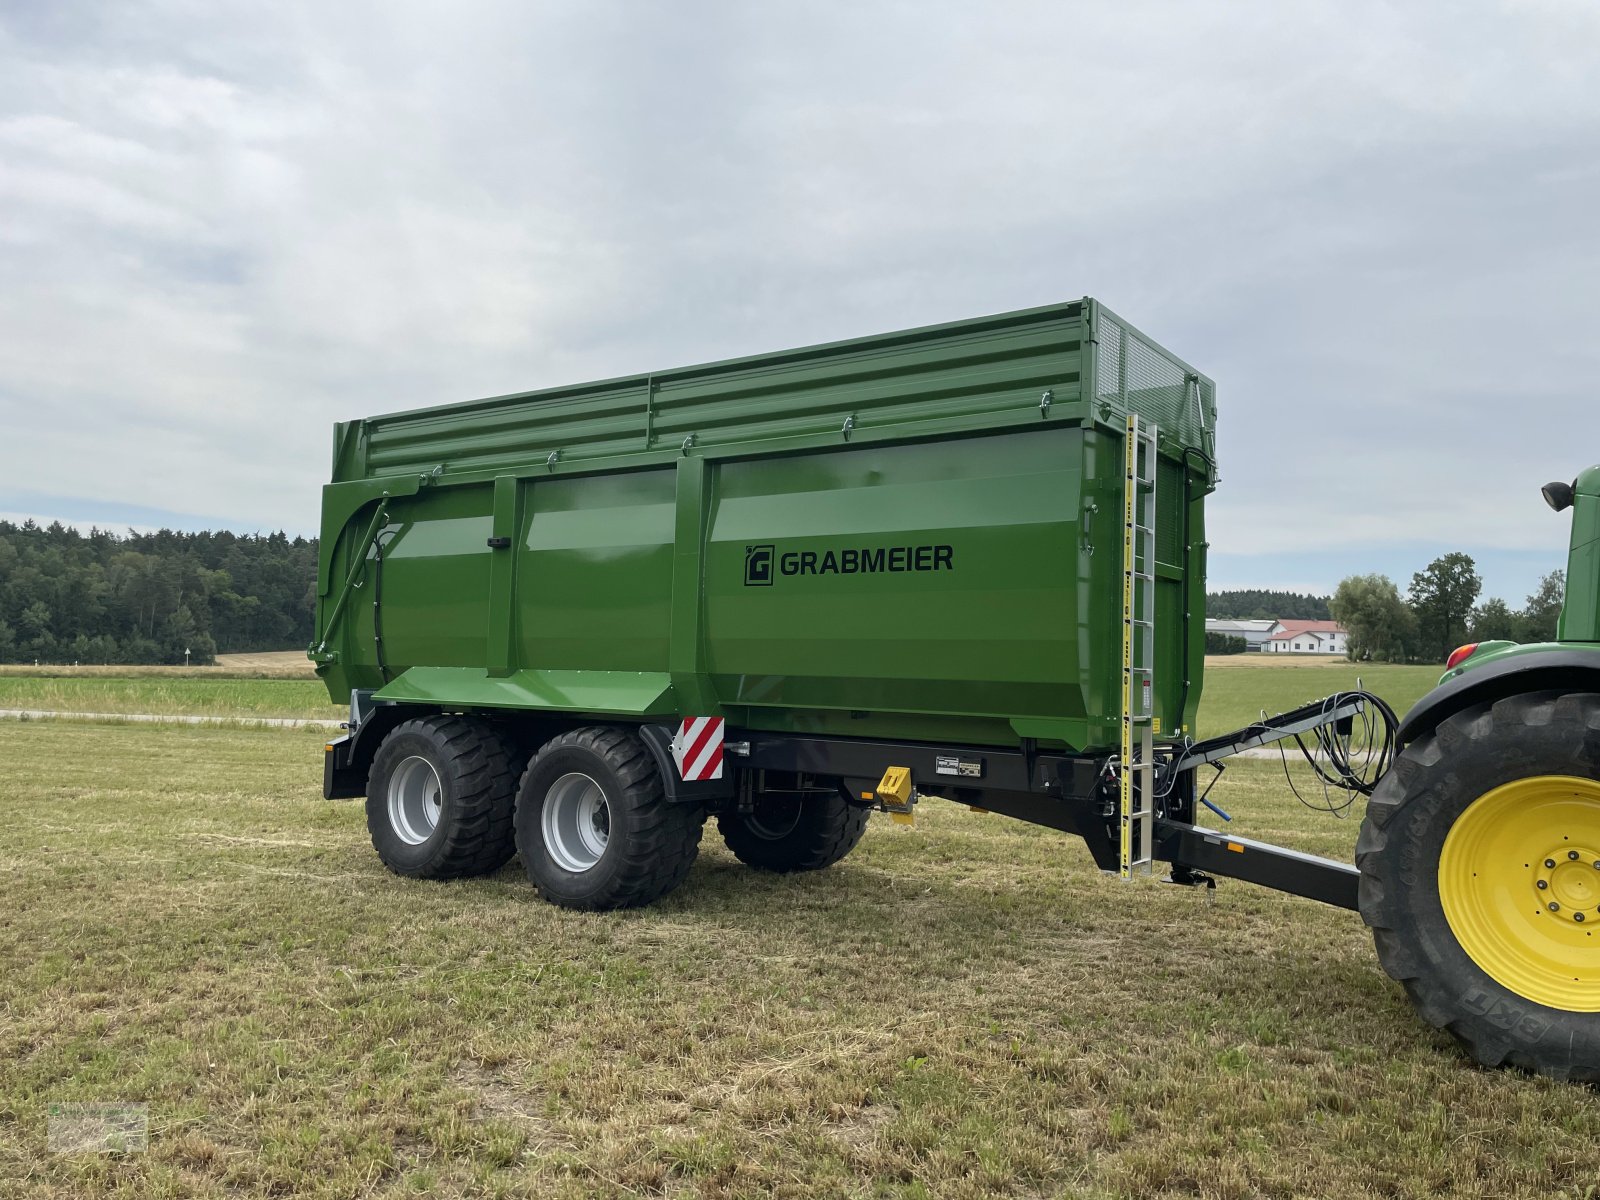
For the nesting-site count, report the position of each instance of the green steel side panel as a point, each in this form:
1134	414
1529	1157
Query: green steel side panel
977	374
688	653
340	503
910	536
501	629
433	582
594	571
614	693
805	608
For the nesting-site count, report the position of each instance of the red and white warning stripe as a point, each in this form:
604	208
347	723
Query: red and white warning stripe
698	748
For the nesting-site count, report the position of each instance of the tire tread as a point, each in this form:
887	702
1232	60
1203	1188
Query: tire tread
1429	765
666	836
483	766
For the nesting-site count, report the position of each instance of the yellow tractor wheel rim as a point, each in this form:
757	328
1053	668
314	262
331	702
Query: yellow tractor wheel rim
1519	880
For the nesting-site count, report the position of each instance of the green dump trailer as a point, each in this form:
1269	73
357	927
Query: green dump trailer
786	591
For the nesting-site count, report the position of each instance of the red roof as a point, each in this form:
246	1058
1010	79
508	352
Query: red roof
1294	629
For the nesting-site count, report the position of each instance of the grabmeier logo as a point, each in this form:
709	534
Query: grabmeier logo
758	566
763	564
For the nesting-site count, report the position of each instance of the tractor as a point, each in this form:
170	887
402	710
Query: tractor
1480	852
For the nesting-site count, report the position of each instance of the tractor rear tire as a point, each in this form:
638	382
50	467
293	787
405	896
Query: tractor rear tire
1480	878
595	829
789	832
440	795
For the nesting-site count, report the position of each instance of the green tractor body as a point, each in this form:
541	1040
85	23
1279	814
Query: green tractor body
1480	852
1492	670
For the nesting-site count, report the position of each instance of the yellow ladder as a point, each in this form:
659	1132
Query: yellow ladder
1137	773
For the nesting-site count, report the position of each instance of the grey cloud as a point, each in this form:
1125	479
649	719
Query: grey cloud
1372	224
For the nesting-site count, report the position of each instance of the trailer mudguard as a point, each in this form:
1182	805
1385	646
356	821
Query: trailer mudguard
1529	669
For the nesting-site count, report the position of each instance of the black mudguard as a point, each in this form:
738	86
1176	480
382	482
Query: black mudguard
1575	670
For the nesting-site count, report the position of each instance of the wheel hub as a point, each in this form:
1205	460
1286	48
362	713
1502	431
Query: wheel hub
575	822
1519	882
1567	881
415	800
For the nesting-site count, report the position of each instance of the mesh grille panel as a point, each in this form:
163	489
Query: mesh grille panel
1148	381
1156	387
1109	367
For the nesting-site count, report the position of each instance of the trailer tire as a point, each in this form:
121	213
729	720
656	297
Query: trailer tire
1498	952
440	796
594	826
787	833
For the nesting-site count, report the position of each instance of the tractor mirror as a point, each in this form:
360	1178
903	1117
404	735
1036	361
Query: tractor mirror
1558	495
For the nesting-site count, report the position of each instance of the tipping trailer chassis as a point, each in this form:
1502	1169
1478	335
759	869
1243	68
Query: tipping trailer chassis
1072	793
1078	794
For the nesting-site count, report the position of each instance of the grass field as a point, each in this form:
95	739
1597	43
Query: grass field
169	694
275	664
965	1008
1235	693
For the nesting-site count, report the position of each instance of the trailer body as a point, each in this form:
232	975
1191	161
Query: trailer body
576	624
912	536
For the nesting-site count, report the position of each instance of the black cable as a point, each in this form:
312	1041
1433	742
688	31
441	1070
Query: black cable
1356	761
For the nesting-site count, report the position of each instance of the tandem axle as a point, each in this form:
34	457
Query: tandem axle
1072	793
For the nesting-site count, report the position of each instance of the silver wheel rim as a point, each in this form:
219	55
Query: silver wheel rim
575	822
415	800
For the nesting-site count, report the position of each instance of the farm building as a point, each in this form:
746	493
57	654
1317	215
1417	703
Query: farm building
1254	633
1306	637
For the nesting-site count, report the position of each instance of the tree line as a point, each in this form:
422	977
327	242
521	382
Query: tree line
1439	611
101	597
1255	604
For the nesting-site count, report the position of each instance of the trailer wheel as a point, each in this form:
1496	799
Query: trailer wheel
594	827
1480	878
440	796
790	832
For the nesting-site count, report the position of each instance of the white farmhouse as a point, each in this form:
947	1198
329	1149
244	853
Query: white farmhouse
1306	637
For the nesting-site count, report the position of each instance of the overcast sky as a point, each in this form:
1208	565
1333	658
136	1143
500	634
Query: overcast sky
224	227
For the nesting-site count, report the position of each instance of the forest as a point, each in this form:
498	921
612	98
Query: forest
1260	605
164	597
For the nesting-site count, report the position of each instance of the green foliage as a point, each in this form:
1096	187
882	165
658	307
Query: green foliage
1492	621
66	596
1442	596
1380	626
1224	643
1253	604
1537	622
